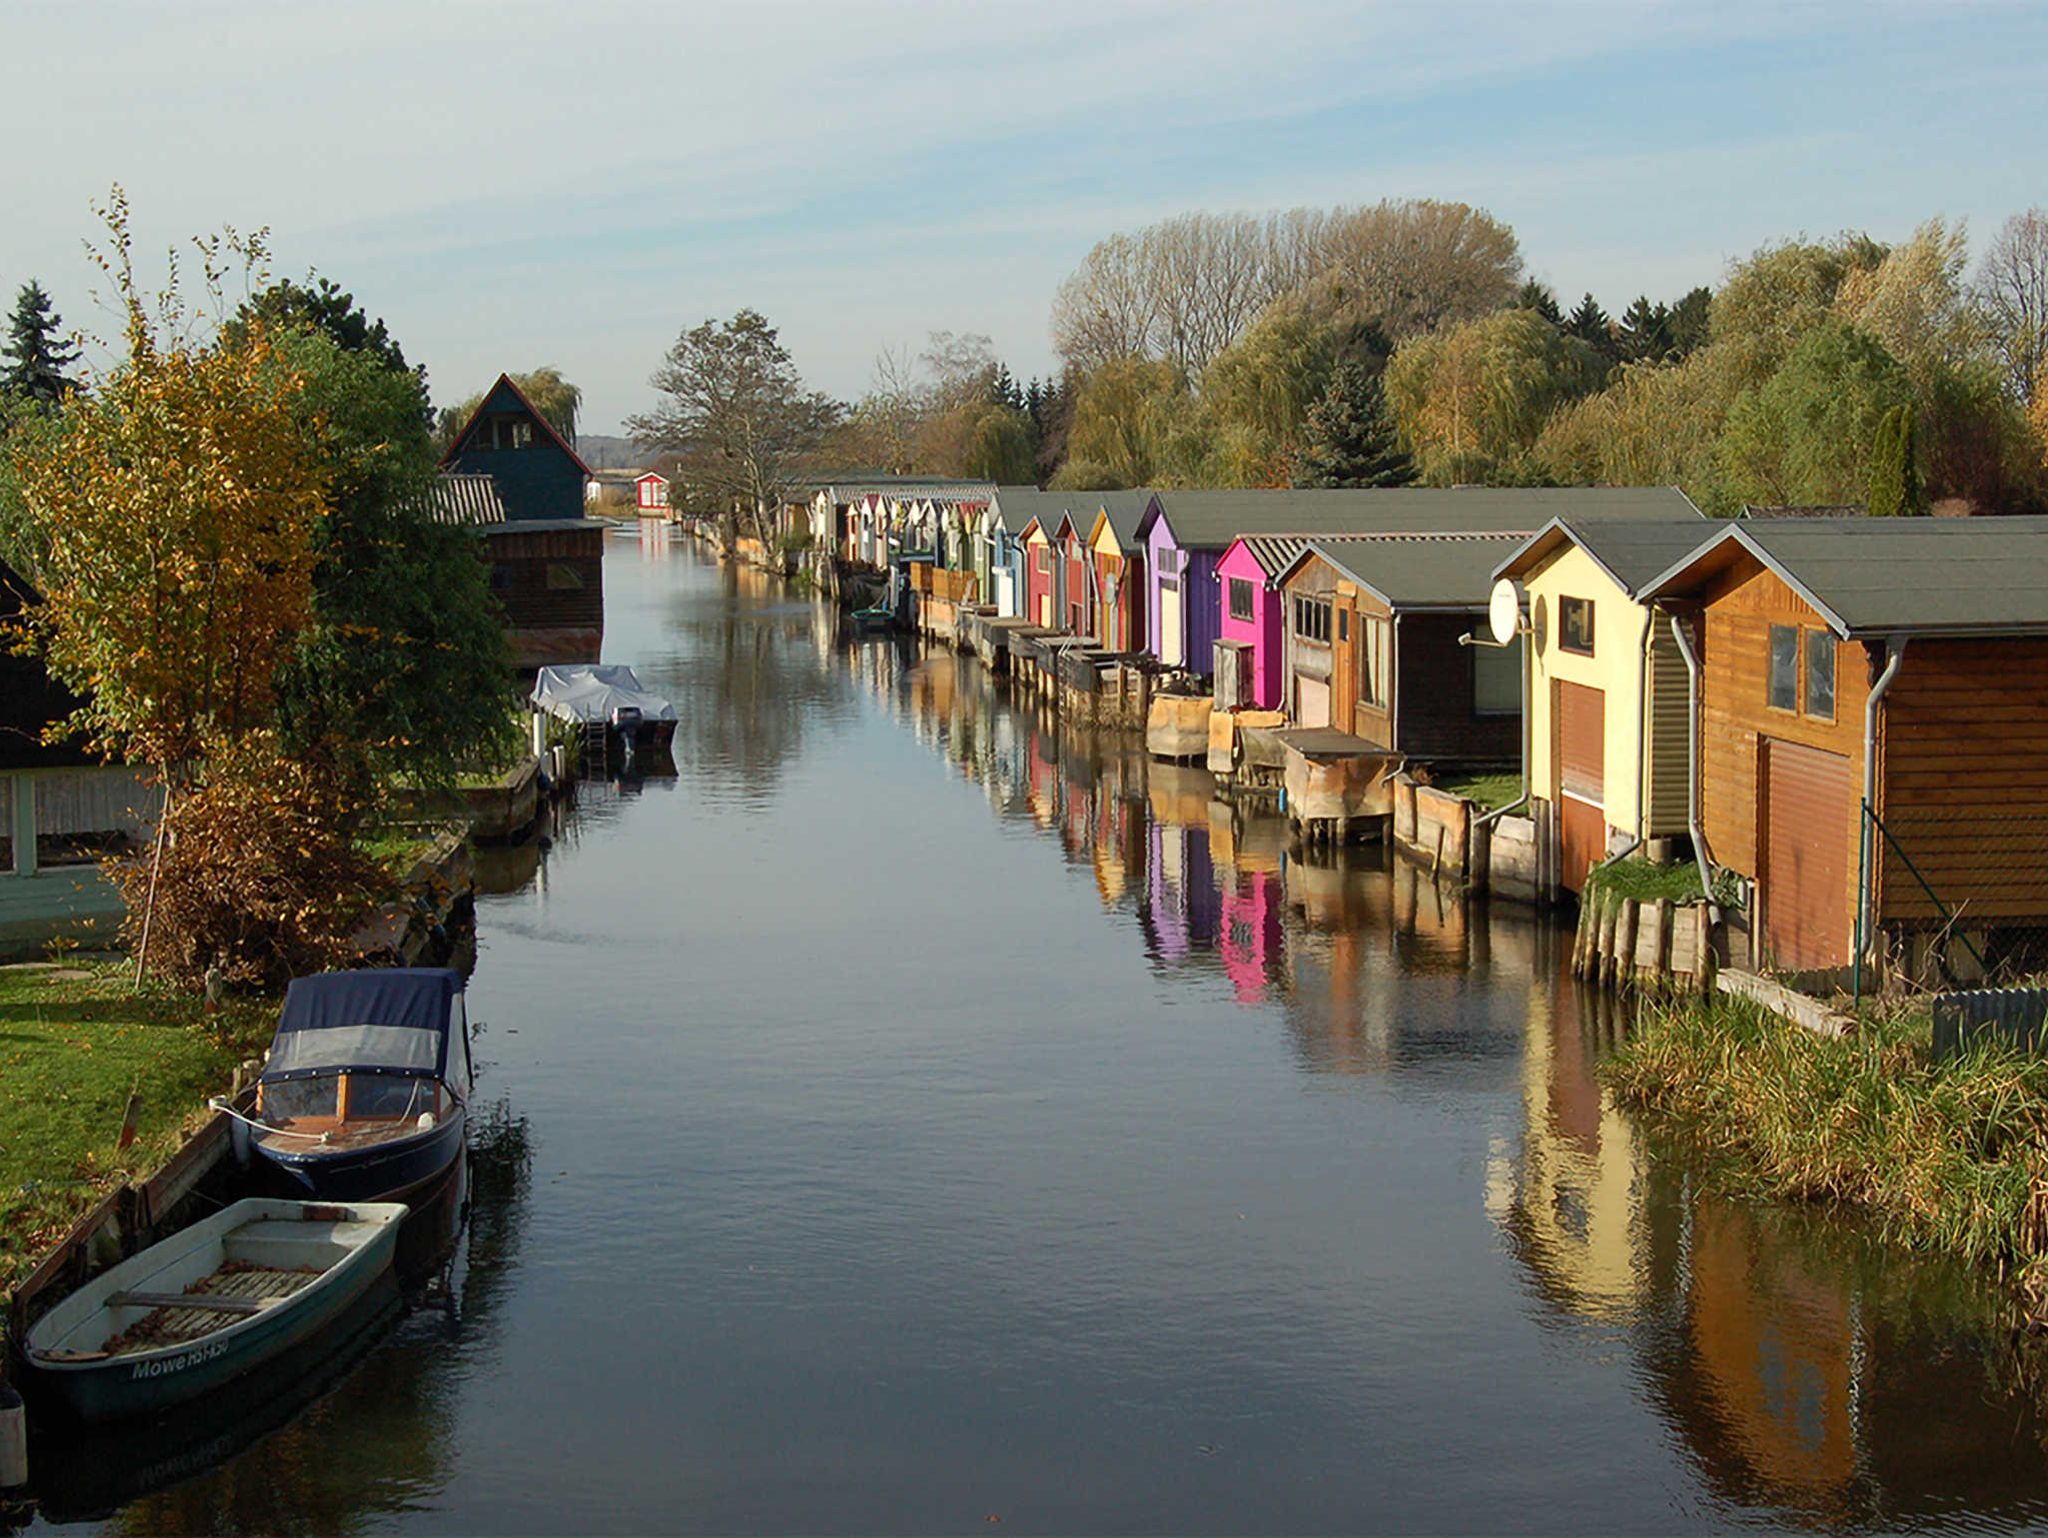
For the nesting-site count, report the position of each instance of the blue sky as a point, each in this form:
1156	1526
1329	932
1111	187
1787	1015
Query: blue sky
511	185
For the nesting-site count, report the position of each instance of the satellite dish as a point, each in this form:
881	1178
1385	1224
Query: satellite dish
1504	612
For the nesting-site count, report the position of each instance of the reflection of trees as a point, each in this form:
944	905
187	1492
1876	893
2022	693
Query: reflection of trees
747	682
384	1440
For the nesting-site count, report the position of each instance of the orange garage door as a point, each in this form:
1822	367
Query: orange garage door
1581	780
1807	839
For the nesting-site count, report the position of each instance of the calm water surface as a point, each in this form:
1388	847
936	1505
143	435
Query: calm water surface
912	1117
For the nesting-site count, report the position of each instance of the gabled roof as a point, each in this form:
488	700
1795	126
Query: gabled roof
1413	571
1890	576
1015	506
1212	519
505	383
1273	552
1122	510
1631	551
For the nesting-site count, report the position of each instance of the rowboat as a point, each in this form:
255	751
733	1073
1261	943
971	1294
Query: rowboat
205	1306
365	1092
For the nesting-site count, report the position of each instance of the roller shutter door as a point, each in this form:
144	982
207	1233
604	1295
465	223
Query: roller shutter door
1806	839
1581	727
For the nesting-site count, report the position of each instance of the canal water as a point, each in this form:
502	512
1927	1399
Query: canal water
912	1117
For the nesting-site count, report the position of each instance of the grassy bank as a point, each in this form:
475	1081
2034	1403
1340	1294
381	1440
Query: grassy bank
75	1040
1951	1157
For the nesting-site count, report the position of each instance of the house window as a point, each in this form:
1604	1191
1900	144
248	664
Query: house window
1575	625
1343	624
1042	558
1374	661
1820	675
1240	598
1784	685
501	577
1312	620
563	579
521	433
1497	680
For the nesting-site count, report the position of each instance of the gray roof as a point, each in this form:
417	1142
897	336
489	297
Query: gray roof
1892	576
1275	552
1212	519
1124	509
1419	571
1631	551
1016	506
1804	510
465	499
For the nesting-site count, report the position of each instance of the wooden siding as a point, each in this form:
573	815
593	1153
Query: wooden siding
1735	714
521	565
1434	682
1668	789
1964	776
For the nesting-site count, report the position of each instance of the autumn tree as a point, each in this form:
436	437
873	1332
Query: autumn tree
737	410
38	364
1126	419
1471	402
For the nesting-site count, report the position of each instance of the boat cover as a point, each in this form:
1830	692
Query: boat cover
378	1020
588	694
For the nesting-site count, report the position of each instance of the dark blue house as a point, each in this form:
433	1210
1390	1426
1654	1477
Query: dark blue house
547	558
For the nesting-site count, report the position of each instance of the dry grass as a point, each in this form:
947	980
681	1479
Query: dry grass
1951	1157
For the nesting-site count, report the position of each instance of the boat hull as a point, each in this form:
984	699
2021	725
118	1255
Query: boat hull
151	1383
377	1173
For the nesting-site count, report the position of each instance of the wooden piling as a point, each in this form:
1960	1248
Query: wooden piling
1620	969
1610	919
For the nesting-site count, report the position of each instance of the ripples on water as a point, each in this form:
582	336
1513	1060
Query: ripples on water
928	1116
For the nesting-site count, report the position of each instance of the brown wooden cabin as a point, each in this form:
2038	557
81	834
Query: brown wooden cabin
1372	626
1798	624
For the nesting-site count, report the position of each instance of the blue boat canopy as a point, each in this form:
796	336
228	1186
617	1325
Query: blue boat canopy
382	1020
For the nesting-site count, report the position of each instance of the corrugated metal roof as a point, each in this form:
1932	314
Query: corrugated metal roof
1894	576
1275	552
1630	550
1212	519
465	499
1416	571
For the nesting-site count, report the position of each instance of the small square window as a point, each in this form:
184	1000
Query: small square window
1820	675
1575	625
563	579
1784	685
501	577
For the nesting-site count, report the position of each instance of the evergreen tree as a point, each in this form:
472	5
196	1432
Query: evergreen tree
1645	334
1589	323
1687	321
1538	297
1349	437
1003	389
37	358
1894	467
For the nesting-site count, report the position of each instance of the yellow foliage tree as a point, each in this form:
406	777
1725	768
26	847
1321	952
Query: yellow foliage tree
172	513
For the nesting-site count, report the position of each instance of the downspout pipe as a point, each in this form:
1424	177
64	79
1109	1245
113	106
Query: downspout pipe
1692	764
1895	654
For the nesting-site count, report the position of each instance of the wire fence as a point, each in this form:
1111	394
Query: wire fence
1953	895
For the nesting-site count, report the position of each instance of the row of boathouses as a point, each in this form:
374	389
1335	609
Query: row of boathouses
1841	722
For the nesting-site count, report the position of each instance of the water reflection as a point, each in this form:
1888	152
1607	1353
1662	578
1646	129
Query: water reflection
1810	1372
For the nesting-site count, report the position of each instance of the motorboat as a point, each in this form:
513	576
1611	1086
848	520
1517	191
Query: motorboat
606	699
364	1093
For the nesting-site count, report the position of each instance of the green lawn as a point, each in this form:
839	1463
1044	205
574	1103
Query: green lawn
1491	791
74	1041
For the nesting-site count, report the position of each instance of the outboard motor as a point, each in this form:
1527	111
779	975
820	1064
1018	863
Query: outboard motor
626	722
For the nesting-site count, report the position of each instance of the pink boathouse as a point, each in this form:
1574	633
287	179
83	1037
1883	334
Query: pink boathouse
1250	606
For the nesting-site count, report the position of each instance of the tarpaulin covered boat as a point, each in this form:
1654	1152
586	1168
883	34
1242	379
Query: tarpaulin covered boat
365	1091
608	697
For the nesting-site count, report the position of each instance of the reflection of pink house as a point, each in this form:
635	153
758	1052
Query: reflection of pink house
1250	605
1251	941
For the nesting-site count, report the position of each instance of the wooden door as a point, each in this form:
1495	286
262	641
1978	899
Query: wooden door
1807	841
1580	724
1311	700
1169	624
